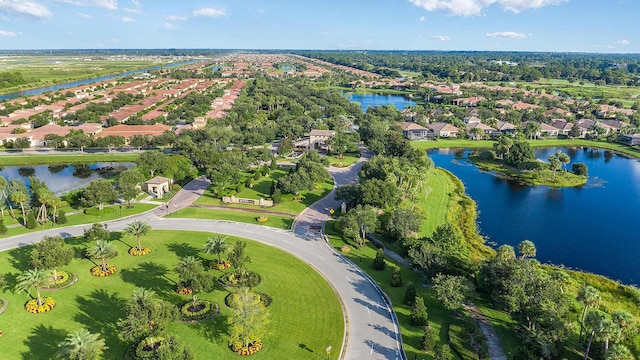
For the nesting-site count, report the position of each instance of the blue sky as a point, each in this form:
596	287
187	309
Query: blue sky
524	25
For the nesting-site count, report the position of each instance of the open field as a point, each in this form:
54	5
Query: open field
51	159
298	327
40	71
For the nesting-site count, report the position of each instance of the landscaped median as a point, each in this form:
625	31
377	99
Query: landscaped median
297	327
276	221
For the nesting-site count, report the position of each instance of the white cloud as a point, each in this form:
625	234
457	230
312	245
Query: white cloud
126	19
107	4
507	34
137	7
440	37
623	42
422	18
605	46
170	27
475	7
24	7
9	34
85	16
175	18
209	12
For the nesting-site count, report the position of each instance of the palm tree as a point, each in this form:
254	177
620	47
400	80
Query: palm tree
216	245
33	279
595	322
81	345
20	197
137	228
590	297
526	249
564	159
101	250
187	268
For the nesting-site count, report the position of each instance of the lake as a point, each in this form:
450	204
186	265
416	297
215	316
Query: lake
591	228
63	178
371	100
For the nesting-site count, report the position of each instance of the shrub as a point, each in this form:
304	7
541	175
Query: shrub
31	221
487	155
277	196
428	339
419	312
62	217
396	278
409	294
253	348
257	175
224	265
444	353
184	290
579	169
3	227
262	219
240	187
198	310
379	263
47	305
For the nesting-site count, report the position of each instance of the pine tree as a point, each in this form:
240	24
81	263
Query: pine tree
409	294
379	263
419	312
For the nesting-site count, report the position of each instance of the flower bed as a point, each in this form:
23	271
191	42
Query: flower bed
264	299
146	349
97	270
262	219
253	348
201	310
341	164
230	279
345	249
63	281
184	290
47	305
135	252
223	266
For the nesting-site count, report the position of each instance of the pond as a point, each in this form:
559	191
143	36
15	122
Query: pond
62	178
591	228
371	100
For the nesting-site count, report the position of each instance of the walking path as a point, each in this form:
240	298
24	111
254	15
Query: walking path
496	352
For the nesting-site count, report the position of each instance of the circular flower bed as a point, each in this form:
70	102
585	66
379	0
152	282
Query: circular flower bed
62	281
250	279
199	311
47	305
184	290
146	348
265	299
135	252
220	266
262	219
97	270
253	348
341	164
345	249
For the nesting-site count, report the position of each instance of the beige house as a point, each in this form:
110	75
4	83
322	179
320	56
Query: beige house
158	186
318	138
441	129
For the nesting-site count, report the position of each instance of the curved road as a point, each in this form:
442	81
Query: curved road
372	331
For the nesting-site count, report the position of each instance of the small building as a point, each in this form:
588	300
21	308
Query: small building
158	186
413	131
631	140
318	138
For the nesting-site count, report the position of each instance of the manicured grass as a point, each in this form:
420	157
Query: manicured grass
300	328
439	317
435	202
280	222
50	159
262	189
82	218
503	324
347	160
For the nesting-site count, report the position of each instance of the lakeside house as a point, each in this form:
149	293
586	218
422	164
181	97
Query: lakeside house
631	140
413	131
444	130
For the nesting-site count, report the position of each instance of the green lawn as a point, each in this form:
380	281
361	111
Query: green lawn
262	189
435	202
50	159
81	218
280	222
300	328
347	160
439	317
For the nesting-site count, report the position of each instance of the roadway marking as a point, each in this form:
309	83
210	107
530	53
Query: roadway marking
371	352
349	280
320	257
369	311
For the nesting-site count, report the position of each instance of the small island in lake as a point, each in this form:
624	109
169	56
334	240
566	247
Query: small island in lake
515	159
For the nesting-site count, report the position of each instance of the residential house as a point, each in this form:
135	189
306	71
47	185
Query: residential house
444	130
318	138
471	101
506	127
413	131
486	131
631	140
